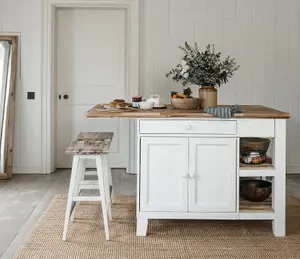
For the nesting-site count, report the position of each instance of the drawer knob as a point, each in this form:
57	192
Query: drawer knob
188	127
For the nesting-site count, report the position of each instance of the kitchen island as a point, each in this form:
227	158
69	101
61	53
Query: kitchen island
188	164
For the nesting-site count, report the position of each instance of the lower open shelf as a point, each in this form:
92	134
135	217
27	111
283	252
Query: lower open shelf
265	206
256	210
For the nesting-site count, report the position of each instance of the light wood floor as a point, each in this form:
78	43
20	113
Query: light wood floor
24	199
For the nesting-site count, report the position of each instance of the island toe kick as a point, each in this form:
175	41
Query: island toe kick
190	169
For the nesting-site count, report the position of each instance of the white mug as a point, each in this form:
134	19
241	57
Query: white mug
155	99
145	105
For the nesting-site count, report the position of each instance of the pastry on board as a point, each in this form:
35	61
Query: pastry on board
119	100
116	102
124	105
119	103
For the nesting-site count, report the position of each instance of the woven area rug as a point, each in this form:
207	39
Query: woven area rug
165	239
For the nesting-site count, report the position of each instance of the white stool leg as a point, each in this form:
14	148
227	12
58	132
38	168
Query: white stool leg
102	193
74	172
106	185
110	179
110	182
80	176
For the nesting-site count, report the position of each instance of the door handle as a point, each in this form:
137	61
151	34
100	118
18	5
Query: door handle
66	96
59	96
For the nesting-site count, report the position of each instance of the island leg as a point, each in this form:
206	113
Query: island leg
279	181
279	204
141	227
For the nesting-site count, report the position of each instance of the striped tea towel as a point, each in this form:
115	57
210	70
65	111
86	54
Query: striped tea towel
224	112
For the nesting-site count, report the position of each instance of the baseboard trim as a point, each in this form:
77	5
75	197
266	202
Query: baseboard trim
293	170
26	170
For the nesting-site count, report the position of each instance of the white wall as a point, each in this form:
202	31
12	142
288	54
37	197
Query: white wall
263	36
24	18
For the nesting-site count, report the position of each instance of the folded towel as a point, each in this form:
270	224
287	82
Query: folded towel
224	112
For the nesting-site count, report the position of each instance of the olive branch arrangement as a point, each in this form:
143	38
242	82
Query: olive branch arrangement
205	68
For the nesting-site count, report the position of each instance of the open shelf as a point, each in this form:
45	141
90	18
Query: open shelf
264	169
265	206
264	166
258	171
256	210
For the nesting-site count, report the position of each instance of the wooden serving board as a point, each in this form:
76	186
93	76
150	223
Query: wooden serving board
101	108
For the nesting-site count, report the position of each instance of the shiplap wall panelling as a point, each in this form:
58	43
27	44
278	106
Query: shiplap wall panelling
287	75
24	19
147	39
181	30
263	36
161	48
242	29
263	53
12	24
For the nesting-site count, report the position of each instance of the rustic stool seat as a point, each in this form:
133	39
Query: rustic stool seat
92	136
89	147
95	135
83	150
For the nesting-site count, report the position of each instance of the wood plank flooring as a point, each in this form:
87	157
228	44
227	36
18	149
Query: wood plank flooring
24	199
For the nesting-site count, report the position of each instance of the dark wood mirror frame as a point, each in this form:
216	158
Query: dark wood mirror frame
9	123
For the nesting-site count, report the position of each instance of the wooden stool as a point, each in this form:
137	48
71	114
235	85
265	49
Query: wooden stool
97	136
82	150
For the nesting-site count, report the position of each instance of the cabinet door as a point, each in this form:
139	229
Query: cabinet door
212	169
164	172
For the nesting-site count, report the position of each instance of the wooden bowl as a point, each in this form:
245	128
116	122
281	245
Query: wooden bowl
252	144
255	190
186	104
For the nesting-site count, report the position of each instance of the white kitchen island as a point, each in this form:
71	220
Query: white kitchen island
188	164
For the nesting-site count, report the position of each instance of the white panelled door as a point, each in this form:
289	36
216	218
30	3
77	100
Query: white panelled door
164	174
90	69
212	183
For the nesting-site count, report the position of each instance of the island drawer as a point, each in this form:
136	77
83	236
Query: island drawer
208	127
263	128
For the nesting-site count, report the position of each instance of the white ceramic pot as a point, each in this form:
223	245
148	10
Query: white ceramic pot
155	99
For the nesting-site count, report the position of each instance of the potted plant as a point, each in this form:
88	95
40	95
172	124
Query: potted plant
206	69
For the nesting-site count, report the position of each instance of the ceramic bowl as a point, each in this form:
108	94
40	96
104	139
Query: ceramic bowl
255	190
186	104
145	105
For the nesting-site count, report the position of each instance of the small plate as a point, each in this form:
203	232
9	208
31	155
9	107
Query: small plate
160	107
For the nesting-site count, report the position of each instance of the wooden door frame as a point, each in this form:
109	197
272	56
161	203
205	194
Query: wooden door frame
48	98
7	174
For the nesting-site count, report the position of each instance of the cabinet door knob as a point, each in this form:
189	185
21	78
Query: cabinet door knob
185	176
188	127
192	175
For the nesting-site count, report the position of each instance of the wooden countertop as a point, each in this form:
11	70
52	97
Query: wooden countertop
251	111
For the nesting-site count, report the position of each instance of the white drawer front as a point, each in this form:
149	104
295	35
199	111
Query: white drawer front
214	127
263	128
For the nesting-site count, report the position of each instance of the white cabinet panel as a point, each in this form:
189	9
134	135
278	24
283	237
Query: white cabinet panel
164	172
263	128
212	169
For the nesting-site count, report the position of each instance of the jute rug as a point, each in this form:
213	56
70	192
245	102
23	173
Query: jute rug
166	238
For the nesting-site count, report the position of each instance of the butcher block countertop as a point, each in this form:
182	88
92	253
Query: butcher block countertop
251	111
